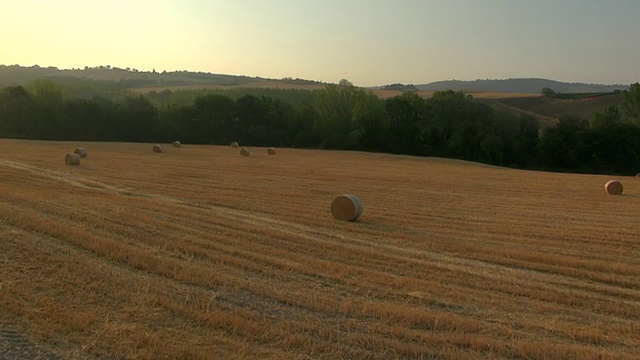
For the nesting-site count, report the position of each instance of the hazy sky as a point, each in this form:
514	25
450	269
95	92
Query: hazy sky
368	42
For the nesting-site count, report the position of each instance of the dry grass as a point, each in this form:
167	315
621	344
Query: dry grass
247	262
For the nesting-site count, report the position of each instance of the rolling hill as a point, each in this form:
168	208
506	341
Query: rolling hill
532	85
132	78
517	96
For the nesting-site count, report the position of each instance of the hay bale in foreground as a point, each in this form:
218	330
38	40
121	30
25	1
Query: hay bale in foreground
177	144
346	208
72	159
245	152
234	144
82	152
157	148
271	151
613	187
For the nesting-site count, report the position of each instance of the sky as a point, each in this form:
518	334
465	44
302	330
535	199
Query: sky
368	42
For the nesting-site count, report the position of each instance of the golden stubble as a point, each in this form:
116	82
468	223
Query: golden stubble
199	252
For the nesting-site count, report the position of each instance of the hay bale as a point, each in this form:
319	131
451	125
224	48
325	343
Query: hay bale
244	152
72	159
346	208
613	187
82	152
638	175
234	144
271	151
157	148
177	144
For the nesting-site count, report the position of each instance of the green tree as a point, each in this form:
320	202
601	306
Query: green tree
252	118
83	119
214	121
567	145
616	144
631	103
280	115
300	127
179	122
370	123
510	140
135	120
455	125
47	117
16	112
527	139
547	92
335	104
405	112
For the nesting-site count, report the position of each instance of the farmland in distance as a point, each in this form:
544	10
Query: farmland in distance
200	253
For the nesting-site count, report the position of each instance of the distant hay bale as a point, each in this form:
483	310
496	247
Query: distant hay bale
244	152
72	159
346	208
157	148
638	175
271	151
613	187
234	144
82	152
177	144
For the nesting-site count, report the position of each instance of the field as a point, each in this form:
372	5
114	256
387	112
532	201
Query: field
548	111
199	253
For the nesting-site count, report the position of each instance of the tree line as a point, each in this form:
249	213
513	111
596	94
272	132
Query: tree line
340	116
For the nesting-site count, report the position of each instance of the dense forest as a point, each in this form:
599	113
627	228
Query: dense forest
339	116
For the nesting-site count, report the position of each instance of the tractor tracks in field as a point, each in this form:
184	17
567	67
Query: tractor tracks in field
65	177
489	270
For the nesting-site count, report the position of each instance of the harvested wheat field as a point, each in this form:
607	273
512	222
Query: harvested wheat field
203	254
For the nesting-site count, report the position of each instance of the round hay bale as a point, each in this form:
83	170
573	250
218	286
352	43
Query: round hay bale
234	144
72	159
177	144
613	187
82	152
346	208
157	148
244	152
271	151
638	175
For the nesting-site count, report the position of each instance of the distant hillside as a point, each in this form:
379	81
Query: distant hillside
517	96
399	87
132	78
532	85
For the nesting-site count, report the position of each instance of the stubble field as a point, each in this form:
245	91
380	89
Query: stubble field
199	253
